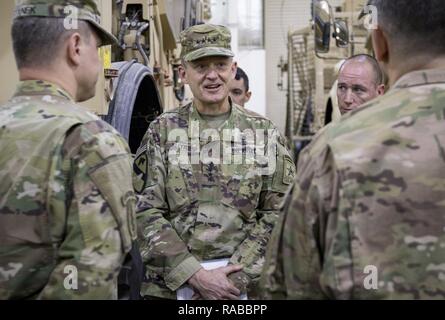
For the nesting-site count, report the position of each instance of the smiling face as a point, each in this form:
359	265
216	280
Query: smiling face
356	85
209	78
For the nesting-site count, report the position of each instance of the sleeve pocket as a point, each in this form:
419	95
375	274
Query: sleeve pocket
115	184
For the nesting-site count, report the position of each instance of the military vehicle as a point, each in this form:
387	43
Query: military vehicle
315	54
140	77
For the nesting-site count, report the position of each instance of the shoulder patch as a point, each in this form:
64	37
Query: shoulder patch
288	172
140	168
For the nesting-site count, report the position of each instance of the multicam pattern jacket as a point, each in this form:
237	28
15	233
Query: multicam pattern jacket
366	216
209	208
66	198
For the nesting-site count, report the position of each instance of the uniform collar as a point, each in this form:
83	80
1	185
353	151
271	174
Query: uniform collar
234	114
421	77
40	87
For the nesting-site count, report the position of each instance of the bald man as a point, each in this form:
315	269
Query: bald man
360	80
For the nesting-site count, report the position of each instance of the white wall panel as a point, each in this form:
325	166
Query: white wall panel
280	17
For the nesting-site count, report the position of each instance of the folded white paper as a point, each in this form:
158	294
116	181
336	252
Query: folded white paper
186	292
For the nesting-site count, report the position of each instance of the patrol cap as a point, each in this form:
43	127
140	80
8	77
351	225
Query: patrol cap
86	10
205	40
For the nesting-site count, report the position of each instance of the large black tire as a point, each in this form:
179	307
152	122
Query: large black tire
136	102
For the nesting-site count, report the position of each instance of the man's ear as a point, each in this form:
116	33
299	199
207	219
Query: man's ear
234	69
183	74
74	46
380	45
248	95
381	90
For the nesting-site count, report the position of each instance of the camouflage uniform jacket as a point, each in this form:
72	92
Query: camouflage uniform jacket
195	211
365	218
66	198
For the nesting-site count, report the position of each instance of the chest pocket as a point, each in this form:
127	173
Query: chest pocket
179	184
242	183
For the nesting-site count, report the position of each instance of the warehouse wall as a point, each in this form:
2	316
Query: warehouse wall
252	61
280	17
9	74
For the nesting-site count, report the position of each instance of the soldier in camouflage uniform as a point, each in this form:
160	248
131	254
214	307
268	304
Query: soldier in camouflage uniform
65	224
195	211
365	218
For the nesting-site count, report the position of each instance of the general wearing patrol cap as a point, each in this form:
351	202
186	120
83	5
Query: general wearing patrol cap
205	40
86	10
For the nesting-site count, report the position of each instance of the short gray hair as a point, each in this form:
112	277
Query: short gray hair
37	41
